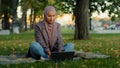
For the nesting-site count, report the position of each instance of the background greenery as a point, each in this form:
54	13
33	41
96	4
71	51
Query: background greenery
101	43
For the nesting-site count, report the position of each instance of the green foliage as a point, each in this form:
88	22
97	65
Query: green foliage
6	6
112	6
38	5
68	5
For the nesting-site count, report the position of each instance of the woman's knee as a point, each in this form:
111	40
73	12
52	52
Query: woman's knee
35	45
70	45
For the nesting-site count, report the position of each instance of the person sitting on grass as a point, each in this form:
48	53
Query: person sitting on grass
48	37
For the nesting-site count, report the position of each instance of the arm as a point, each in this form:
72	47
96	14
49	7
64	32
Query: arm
39	38
59	39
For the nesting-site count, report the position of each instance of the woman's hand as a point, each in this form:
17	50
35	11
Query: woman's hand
61	51
49	53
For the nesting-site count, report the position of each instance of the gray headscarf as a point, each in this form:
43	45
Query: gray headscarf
47	9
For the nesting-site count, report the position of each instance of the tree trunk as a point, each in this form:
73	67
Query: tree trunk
81	19
90	23
5	21
34	18
31	19
90	19
34	21
23	20
0	7
14	13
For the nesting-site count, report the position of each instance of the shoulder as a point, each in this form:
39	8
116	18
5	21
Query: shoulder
39	23
57	24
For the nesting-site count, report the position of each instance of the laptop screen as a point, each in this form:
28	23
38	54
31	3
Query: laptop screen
60	56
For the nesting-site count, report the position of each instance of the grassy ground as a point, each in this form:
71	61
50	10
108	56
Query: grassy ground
104	43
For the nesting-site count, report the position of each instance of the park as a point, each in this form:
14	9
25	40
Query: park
88	34
102	43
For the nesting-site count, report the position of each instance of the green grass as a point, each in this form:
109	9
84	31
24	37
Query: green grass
103	43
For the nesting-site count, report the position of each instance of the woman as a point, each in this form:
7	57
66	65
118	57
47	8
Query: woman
48	37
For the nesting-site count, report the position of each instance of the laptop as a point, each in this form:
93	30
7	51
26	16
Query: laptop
61	56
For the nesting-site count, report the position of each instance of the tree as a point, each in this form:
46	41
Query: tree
0	6
6	6
36	7
79	8
81	19
14	12
8	10
112	6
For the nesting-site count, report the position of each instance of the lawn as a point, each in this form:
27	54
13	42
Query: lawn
103	43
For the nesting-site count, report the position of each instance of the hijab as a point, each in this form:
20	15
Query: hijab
47	9
49	32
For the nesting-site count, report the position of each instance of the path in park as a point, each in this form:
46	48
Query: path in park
107	31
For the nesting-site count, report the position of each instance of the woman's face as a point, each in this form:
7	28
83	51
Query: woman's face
50	17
